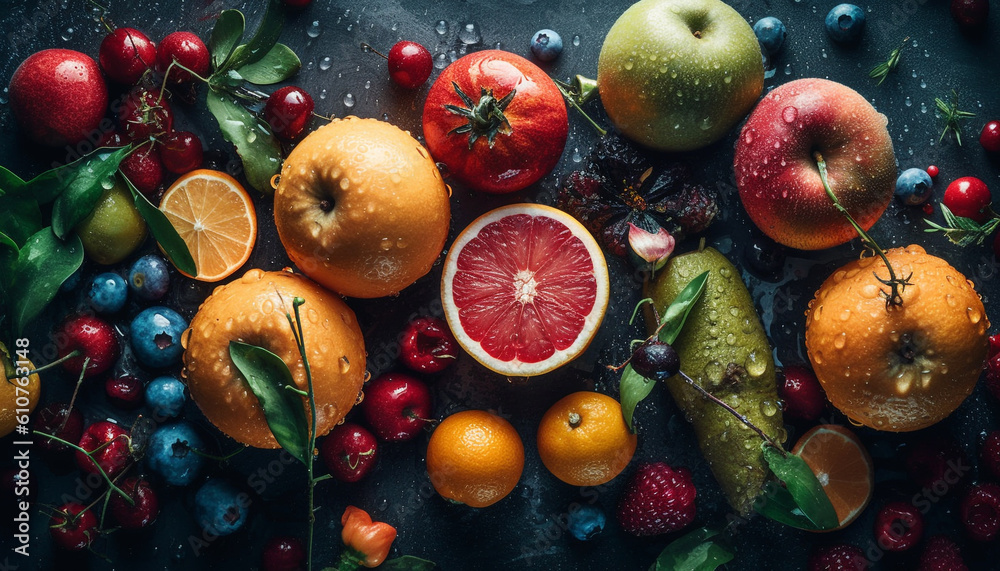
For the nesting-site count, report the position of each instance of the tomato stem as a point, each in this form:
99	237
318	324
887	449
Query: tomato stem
485	117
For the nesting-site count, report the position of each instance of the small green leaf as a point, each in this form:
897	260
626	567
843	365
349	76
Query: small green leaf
226	34
699	550
163	232
408	563
263	40
267	376
20	218
257	147
9	182
633	388
85	181
802	502
6	240
43	264
277	65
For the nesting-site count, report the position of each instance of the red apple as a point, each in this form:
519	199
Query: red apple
397	406
776	170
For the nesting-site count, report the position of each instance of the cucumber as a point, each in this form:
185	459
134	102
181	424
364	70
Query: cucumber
724	349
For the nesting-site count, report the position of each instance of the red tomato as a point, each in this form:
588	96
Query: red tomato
507	131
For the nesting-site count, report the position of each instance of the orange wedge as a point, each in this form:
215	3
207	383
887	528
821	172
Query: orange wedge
215	217
842	465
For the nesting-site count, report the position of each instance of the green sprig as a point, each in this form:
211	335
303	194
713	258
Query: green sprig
881	71
952	116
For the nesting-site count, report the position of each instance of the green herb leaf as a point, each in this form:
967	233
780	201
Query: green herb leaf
699	550
9	182
20	218
263	40
226	34
72	178
408	563
802	502
83	183
277	65
961	230
6	240
268	376
163	232
632	389
257	147
43	264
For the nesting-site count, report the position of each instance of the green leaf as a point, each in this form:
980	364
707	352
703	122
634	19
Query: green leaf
698	550
268	376
9	182
77	177
20	218
277	65
257	147
163	232
84	182
263	40
43	264
6	240
408	563
226	34
633	388
802	502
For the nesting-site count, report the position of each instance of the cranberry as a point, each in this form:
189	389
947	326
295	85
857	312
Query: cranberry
142	511
93	338
990	137
144	169
802	394
125	392
57	419
980	512
287	111
427	345
125	55
283	553
73	527
349	452
181	152
108	444
898	526
971	15
145	114
968	197
933	171
410	64
397	406
187	50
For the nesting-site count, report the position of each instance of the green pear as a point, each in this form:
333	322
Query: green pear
114	229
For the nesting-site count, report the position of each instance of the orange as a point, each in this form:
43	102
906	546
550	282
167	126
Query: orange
901	368
524	289
216	218
252	310
475	457
361	208
16	399
842	465
583	439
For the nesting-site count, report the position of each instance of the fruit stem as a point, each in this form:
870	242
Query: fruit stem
59	361
217	458
111	483
300	342
166	75
367	47
582	93
76	391
485	117
894	296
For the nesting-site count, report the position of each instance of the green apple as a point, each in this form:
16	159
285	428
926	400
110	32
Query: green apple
677	75
114	229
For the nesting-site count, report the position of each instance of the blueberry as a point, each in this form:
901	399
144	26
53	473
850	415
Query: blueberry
845	23
546	45
156	336
771	34
587	522
107	293
220	508
165	395
149	277
169	453
913	186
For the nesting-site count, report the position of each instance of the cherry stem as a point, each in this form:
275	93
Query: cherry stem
368	47
89	454
76	391
59	361
218	458
166	75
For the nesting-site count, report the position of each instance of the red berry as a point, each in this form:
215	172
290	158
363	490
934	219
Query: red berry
283	553
125	392
93	338
937	463
397	406
802	394
657	499
941	554
73	528
427	345
968	197
287	111
145	114
839	557
898	526
971	15
57	419
990	137
125	55
144	169
181	152
410	64
142	511
349	452
108	444
933	171
980	512
187	50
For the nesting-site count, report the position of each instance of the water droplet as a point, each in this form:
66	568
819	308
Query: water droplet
251	136
790	114
768	408
325	63
755	365
440	61
576	39
923	84
974	315
313	31
727	79
67	34
628	65
469	34
576	155
441	27
349	100
788	69
908	102
4	96
840	340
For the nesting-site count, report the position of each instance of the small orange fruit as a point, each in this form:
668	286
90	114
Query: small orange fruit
216	219
475	457
900	368
252	310
18	393
842	465
583	439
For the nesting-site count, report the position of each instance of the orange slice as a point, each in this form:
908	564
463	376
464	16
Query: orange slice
216	218
842	465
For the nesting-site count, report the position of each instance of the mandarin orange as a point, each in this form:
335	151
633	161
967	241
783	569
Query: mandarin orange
842	465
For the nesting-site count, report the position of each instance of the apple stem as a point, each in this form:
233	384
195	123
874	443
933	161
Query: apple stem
893	297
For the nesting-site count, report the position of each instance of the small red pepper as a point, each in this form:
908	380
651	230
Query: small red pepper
369	541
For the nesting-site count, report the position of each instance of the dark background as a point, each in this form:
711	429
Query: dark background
524	530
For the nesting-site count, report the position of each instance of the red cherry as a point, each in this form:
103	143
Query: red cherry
187	50
144	169
125	55
142	511
94	338
933	171
990	137
397	406
58	420
73	528
145	114
410	64
803	396
287	111
181	152
968	197
427	345
349	452
108	444
125	392
283	554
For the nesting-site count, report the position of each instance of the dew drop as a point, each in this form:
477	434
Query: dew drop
840	340
576	39
349	100
470	35
313	31
789	114
67	34
325	63
441	27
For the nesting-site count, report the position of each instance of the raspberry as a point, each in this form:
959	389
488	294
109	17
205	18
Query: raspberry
839	557
980	512
941	554
898	526
657	499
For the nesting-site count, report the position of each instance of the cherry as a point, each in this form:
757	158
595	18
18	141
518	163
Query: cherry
933	171
144	508
144	169
287	111
125	55
990	137
802	394
349	452
57	419
971	15
968	197
187	50
145	114
656	360
73	527
410	64
427	345
898	526
397	406
93	338
283	553
108	444
181	152
125	392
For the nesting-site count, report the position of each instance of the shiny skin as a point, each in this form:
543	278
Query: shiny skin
288	111
349	452
186	49
73	527
776	171
397	406
968	197
142	511
538	120
126	54
114	229
108	444
410	64
94	338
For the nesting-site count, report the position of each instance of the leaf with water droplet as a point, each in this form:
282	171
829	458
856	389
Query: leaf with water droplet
699	550
276	66
226	34
42	265
263	39
801	502
163	232
261	154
